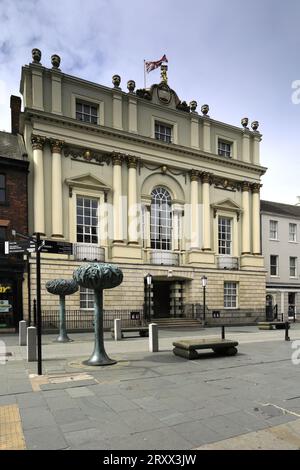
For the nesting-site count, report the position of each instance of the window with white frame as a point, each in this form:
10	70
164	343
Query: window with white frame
230	294
163	132
273	230
161	219
293	266
86	112
292	232
225	235
224	148
86	298
87	220
274	262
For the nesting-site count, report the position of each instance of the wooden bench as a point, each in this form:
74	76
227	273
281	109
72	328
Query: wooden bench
270	325
142	330
188	348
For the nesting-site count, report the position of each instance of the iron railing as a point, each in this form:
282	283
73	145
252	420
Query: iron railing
83	320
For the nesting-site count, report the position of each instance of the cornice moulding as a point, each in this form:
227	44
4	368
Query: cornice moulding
146	141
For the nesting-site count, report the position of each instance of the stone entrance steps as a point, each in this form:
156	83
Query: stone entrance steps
177	322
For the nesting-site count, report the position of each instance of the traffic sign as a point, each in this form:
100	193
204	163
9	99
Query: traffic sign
11	248
61	248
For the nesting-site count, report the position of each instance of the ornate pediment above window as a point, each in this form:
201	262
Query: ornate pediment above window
87	181
227	205
86	155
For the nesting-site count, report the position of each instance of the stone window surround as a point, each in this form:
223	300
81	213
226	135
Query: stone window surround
229	141
236	297
228	214
88	100
163	121
277	226
72	212
294	267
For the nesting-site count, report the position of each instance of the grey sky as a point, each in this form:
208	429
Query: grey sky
239	57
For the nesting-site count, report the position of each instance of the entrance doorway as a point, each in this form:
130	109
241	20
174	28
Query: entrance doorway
161	299
292	304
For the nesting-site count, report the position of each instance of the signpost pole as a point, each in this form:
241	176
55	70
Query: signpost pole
38	302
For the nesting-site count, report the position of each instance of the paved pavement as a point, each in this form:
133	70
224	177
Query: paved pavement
154	400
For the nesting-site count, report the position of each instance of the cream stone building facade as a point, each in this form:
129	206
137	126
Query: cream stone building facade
141	179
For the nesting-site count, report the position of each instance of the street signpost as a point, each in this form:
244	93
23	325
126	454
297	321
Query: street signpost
31	245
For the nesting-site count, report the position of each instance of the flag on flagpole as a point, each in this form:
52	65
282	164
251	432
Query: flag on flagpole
152	65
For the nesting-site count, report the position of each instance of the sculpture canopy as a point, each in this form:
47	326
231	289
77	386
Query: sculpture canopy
62	286
98	276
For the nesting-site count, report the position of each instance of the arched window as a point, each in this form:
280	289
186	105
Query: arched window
161	219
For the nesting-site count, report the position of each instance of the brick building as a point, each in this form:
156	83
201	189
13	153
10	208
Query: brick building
13	215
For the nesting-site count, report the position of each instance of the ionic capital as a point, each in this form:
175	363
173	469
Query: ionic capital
37	142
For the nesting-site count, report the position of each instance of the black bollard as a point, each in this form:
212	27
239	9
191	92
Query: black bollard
223	332
287	338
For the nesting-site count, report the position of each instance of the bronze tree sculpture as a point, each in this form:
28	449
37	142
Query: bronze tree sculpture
98	276
62	287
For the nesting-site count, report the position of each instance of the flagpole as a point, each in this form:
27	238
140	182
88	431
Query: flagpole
144	73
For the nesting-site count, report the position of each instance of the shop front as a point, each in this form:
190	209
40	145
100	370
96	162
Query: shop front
11	298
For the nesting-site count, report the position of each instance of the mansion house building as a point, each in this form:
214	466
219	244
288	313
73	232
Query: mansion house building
139	178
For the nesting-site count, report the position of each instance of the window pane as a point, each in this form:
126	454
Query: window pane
161	219
87	226
2	195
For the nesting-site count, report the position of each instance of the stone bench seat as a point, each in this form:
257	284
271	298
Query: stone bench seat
270	325
188	348
142	330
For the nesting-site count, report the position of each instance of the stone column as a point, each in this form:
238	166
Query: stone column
206	135
175	228
132	201
57	199
246	145
246	219
256	149
147	222
38	184
256	248
195	243
206	178
117	198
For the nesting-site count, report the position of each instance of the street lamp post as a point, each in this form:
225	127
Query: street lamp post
204	284
149	282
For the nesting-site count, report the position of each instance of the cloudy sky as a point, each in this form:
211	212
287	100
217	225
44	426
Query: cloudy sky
242	58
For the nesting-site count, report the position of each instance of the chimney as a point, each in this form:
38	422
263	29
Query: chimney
15	110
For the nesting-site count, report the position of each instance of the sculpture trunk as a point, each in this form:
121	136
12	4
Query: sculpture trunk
99	356
63	336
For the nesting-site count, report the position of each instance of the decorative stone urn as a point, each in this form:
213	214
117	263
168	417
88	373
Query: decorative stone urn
193	106
62	287
244	122
98	276
36	56
131	86
204	109
116	79
255	125
55	61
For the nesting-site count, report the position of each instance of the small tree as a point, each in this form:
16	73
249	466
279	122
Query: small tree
98	276
62	287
